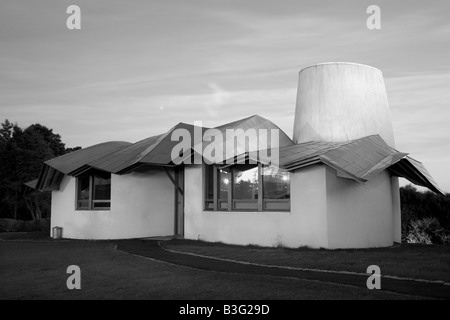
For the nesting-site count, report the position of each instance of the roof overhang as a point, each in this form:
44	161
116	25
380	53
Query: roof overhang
360	160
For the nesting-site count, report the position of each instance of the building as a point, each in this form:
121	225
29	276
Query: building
334	185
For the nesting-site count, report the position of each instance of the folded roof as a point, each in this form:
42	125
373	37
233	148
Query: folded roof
130	155
121	157
360	159
72	161
243	128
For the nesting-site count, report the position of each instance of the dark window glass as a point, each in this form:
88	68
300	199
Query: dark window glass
245	182
83	188
224	183
102	188
83	192
209	182
277	183
102	205
94	191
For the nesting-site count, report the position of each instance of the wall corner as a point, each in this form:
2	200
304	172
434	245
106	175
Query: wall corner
396	210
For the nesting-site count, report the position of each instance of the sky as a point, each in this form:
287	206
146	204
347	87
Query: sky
137	68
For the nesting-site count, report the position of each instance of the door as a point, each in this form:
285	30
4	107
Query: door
179	202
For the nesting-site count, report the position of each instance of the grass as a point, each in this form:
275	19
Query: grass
406	260
37	270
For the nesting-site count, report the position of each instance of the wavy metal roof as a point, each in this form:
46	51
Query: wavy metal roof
54	170
360	159
251	127
113	157
130	155
156	150
74	160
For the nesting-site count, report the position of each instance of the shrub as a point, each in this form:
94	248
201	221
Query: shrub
427	231
11	225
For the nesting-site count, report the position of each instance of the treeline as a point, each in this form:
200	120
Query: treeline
425	216
22	153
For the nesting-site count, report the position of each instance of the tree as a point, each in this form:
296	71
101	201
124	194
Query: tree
52	140
22	153
8	150
6	132
69	150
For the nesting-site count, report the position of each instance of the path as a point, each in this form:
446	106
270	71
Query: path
151	249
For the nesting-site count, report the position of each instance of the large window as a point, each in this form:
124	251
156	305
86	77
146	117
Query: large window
94	191
245	187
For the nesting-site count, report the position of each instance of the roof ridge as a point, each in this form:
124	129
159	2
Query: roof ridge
66	155
241	120
144	153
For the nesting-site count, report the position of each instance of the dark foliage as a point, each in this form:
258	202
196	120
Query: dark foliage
22	152
425	216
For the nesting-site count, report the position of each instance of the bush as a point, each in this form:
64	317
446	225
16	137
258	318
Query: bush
427	231
11	225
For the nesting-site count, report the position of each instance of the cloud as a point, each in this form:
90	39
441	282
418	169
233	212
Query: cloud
421	113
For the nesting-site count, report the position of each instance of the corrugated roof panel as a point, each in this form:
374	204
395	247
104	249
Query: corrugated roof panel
162	152
125	157
430	182
360	159
383	165
254	122
74	160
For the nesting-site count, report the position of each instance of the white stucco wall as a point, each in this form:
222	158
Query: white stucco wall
142	205
304	225
359	215
396	207
326	212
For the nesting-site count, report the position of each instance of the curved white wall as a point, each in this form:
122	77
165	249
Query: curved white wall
305	225
326	212
359	215
337	102
142	205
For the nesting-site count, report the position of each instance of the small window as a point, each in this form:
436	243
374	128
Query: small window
94	191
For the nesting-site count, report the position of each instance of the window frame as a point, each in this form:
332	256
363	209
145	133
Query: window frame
217	203
91	200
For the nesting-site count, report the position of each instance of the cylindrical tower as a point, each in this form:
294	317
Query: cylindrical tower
340	101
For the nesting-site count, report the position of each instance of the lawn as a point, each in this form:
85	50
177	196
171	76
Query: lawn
406	260
37	270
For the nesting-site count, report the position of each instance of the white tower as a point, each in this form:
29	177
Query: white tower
340	101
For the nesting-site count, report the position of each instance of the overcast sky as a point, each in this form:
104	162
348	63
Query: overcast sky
136	68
